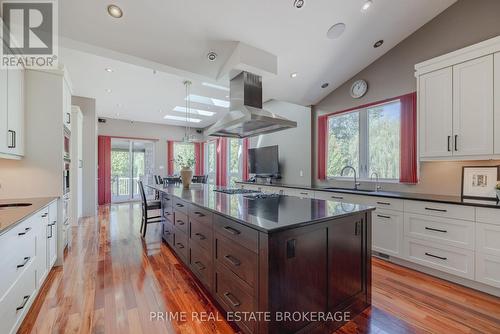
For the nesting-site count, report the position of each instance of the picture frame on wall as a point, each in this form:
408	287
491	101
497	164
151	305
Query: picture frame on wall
480	182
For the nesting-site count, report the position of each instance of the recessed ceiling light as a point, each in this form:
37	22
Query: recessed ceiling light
108	69
194	111
182	119
108	90
115	11
366	5
298	4
326	84
378	44
293	75
335	31
208	84
212	56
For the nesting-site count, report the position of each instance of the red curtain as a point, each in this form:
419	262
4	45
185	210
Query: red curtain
199	157
170	157
408	155
244	171
104	170
221	166
322	145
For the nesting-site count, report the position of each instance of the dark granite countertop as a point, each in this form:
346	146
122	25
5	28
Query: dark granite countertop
397	195
11	216
266	215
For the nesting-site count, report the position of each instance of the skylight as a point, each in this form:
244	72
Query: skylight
209	101
182	119
208	84
194	111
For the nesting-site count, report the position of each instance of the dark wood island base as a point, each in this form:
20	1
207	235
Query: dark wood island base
301	278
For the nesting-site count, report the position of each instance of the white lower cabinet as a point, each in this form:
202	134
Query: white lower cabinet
52	236
453	260
387	227
25	268
488	269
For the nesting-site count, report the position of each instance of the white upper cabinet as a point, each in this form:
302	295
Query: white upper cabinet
436	112
473	107
3	111
67	105
15	112
497	103
459	104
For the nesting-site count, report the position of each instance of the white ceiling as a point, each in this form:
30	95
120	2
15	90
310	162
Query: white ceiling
175	36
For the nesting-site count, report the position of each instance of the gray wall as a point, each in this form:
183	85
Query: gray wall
89	191
294	144
464	23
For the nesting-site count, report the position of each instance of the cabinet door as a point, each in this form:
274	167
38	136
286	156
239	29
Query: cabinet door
52	236
3	111
15	111
67	106
473	107
41	223
346	261
295	290
435	113
497	103
387	232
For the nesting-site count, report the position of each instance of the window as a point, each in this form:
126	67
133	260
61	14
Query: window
210	161
234	161
183	155
366	139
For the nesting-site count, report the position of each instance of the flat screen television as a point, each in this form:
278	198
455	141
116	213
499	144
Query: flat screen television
263	161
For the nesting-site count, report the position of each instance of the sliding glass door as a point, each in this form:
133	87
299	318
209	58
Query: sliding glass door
131	161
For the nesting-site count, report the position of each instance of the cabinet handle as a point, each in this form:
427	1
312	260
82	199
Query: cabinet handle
200	265
231	259
25	300
199	214
167	213
438	210
26	230
437	257
45	215
69	118
436	230
201	236
290	248
383	203
180	222
337	197
49	236
456	143
304	194
26	260
235	302
357	228
232	230
181	246
382	216
179	205
12	139
449	148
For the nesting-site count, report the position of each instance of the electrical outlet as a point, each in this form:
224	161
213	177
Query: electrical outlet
301	173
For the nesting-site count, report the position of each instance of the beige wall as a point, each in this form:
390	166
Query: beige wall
464	23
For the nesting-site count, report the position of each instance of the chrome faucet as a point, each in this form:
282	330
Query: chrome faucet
377	184
356	183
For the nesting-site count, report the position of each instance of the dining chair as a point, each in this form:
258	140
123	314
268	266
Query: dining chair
200	179
148	206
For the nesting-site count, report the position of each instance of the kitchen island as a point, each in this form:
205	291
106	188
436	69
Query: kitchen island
275	264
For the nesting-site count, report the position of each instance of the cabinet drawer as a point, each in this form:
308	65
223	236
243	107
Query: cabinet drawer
337	197
387	232
239	260
234	296
181	221
200	215
383	202
201	263
202	234
451	232
452	260
168	233
440	210
245	236
489	216
488	239
180	205
16	302
299	192
488	269
181	244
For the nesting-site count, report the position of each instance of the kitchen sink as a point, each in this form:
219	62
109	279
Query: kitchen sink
350	189
14	205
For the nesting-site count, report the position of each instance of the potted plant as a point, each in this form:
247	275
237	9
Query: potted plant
497	188
186	164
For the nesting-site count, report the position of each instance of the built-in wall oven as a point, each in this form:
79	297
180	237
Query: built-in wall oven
66	177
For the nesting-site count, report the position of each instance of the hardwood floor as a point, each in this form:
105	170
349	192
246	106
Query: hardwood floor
112	280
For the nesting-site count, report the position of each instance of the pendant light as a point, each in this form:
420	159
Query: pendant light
187	130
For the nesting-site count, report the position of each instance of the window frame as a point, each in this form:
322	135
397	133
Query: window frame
178	172
206	157
239	174
364	154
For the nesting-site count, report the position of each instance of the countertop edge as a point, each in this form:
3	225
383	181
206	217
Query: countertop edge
47	201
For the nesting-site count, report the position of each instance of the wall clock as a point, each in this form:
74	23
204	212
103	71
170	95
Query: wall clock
359	89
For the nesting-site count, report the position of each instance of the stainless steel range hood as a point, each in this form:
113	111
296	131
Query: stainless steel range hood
246	118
